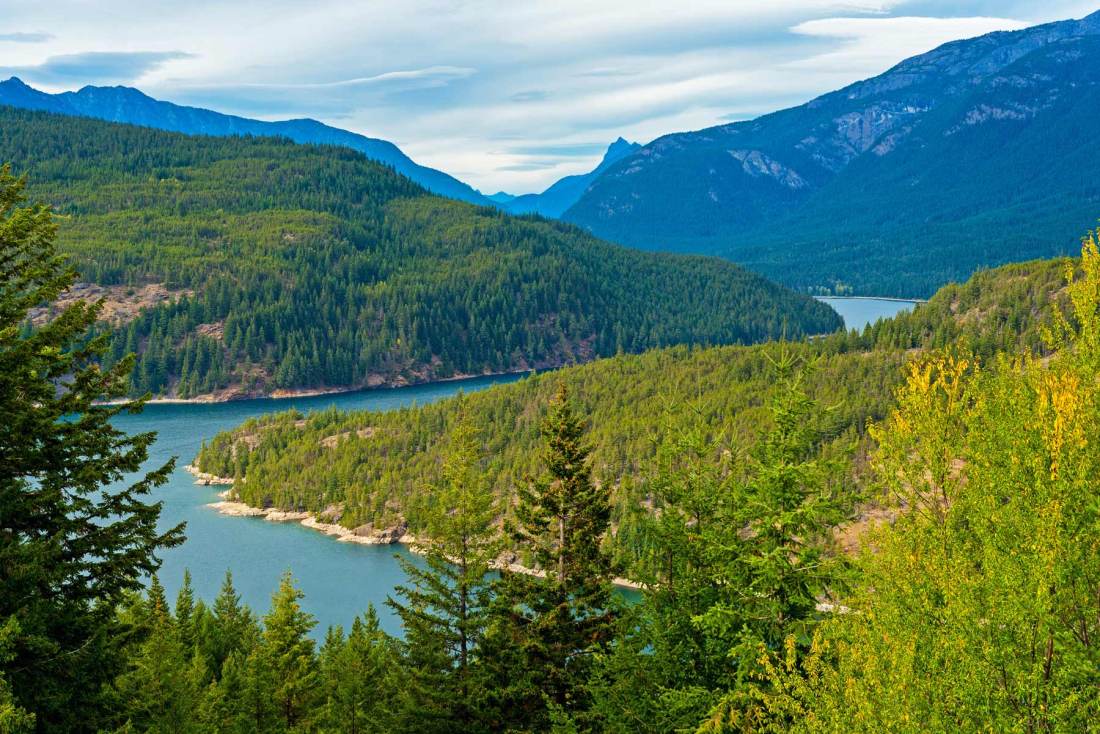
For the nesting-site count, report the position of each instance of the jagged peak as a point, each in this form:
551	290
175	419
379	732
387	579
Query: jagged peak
621	147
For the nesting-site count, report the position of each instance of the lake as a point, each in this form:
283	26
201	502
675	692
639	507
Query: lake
339	579
859	312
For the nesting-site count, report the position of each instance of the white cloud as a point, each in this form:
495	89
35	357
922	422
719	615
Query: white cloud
882	42
475	86
431	76
25	37
94	67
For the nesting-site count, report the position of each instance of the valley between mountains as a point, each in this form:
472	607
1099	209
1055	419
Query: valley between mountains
509	408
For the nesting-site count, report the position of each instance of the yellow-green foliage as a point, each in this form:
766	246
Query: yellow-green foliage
377	465
979	609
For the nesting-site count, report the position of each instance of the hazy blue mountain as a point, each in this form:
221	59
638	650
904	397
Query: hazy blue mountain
565	192
500	197
129	105
979	152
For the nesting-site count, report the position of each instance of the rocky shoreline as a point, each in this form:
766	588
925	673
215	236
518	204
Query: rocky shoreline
365	535
204	478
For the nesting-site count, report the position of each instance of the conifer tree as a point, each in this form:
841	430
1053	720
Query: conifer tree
185	612
234	628
77	538
359	679
160	688
740	554
669	671
287	655
555	624
13	719
226	706
444	608
773	555
777	536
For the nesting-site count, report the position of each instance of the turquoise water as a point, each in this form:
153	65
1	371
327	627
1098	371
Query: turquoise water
339	579
860	312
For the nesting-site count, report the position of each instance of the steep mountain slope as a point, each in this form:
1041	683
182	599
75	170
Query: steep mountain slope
375	466
974	154
562	194
125	104
241	266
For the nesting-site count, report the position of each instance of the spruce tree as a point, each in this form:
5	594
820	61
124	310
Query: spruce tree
287	654
234	629
359	679
771	555
225	706
161	689
444	608
556	623
76	535
670	671
185	613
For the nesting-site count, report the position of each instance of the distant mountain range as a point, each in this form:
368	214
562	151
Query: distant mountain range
977	153
980	152
129	105
567	191
132	106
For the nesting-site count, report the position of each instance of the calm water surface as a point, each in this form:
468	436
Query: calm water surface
339	579
860	312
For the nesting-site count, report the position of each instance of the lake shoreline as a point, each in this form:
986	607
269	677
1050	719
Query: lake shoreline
314	392
388	536
874	298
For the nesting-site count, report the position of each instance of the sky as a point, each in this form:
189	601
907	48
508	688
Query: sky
505	95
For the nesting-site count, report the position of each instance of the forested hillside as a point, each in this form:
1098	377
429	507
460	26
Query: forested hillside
129	105
968	601
374	467
972	155
284	266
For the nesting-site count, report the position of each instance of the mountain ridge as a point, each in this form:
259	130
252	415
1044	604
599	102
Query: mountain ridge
244	266
755	190
132	106
558	197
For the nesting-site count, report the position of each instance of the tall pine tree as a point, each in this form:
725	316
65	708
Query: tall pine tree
360	679
549	627
287	654
76	534
444	610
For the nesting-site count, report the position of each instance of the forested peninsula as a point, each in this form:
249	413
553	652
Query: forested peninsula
372	474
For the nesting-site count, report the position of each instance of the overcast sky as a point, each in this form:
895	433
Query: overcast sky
504	95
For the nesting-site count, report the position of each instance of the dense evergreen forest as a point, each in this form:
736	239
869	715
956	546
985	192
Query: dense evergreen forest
971	604
292	266
378	468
